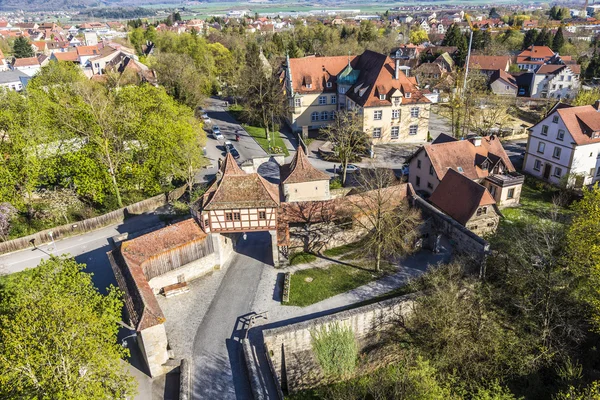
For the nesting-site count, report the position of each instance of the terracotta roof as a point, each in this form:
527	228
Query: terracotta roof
505	76
39	44
583	123
88	50
66	56
301	170
316	71
237	189
460	197
467	156
145	247
26	62
488	63
550	69
544	52
378	70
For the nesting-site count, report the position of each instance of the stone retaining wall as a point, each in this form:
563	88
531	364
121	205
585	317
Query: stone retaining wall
289	345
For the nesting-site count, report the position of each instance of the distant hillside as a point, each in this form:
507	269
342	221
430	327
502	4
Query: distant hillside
64	5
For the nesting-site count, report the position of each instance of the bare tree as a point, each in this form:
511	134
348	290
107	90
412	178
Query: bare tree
382	210
348	138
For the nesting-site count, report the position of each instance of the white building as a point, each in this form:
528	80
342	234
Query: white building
555	81
13	80
566	144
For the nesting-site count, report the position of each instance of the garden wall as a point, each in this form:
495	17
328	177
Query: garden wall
91	224
289	347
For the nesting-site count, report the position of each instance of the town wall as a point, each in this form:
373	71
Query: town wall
290	347
153	344
463	241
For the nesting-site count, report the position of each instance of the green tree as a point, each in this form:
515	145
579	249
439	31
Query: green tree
559	40
583	239
22	48
530	38
336	350
586	97
418	36
59	336
544	38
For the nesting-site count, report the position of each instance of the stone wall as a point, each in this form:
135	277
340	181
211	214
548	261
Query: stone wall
290	346
185	273
463	240
153	344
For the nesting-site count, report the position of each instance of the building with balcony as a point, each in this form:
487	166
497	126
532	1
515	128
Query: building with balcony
481	159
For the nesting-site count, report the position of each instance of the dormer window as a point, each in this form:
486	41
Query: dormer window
329	84
407	95
309	86
382	97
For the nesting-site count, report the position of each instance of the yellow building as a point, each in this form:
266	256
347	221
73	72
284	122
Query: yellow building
392	107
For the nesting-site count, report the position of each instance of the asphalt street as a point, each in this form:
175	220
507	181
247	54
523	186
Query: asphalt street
218	366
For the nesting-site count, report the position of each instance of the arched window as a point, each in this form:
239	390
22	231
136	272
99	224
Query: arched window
314	116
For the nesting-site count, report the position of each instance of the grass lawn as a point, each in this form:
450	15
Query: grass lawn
536	203
312	285
258	134
341	250
302	258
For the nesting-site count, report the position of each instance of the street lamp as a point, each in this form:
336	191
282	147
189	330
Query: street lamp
124	340
52	239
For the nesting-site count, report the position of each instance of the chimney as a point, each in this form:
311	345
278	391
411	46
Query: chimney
597	105
476	141
397	71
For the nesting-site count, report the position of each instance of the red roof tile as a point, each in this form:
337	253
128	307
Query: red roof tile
583	123
488	63
26	62
316	71
301	170
460	197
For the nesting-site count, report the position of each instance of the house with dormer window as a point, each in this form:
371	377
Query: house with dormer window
392	107
566	146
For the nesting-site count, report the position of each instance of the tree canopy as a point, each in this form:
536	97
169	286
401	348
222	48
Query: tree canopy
59	336
22	48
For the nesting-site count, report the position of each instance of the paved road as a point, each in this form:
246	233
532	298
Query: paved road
218	366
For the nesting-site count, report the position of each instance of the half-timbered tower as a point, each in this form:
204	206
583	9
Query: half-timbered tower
237	202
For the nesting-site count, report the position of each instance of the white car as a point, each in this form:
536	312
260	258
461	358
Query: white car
352	169
217	133
205	118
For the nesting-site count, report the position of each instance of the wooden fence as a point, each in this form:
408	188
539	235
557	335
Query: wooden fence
91	224
172	259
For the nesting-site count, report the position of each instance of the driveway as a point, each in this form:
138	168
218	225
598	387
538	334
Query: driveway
516	151
219	371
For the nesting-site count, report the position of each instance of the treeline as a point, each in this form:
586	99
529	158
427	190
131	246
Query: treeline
521	325
117	13
73	147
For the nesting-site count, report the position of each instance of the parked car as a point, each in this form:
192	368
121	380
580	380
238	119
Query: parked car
205	118
350	169
405	170
217	133
231	150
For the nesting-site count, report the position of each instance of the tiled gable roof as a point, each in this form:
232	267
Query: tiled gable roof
26	62
301	170
378	70
316	71
544	52
460	197
489	63
66	56
237	189
504	76
583	123
464	155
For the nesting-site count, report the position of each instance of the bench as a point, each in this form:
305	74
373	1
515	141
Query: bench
175	289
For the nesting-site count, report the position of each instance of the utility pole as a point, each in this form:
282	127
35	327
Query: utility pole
464	93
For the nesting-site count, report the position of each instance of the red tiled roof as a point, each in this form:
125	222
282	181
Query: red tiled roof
550	69
465	155
544	52
489	62
301	170
66	56
26	62
460	197
505	76
88	50
316	71
582	122
378	70
237	189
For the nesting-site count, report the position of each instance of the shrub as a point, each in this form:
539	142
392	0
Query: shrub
335	183
336	350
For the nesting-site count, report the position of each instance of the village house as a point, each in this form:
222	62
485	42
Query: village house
489	64
534	57
566	146
29	65
555	81
481	159
13	80
467	202
392	108
502	83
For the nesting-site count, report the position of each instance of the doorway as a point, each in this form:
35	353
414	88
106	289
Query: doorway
547	169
